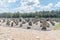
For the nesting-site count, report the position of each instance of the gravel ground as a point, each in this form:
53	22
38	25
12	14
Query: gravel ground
9	33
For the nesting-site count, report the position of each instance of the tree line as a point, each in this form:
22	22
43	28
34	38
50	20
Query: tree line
41	14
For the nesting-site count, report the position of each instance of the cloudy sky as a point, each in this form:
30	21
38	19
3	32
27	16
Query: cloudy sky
28	5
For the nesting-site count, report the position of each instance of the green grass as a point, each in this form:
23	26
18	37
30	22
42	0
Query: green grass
57	27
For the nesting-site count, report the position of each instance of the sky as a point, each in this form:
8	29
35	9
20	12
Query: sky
28	5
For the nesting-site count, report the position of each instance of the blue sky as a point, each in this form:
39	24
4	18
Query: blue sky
28	5
46	2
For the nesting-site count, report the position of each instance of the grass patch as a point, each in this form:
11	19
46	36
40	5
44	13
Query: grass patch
57	27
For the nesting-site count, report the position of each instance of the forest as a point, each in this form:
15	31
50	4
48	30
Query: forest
40	14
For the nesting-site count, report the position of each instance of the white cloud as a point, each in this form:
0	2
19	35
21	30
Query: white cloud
2	2
57	5
24	9
26	6
9	1
29	2
31	8
48	7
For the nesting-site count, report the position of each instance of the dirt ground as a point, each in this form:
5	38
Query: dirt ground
9	33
